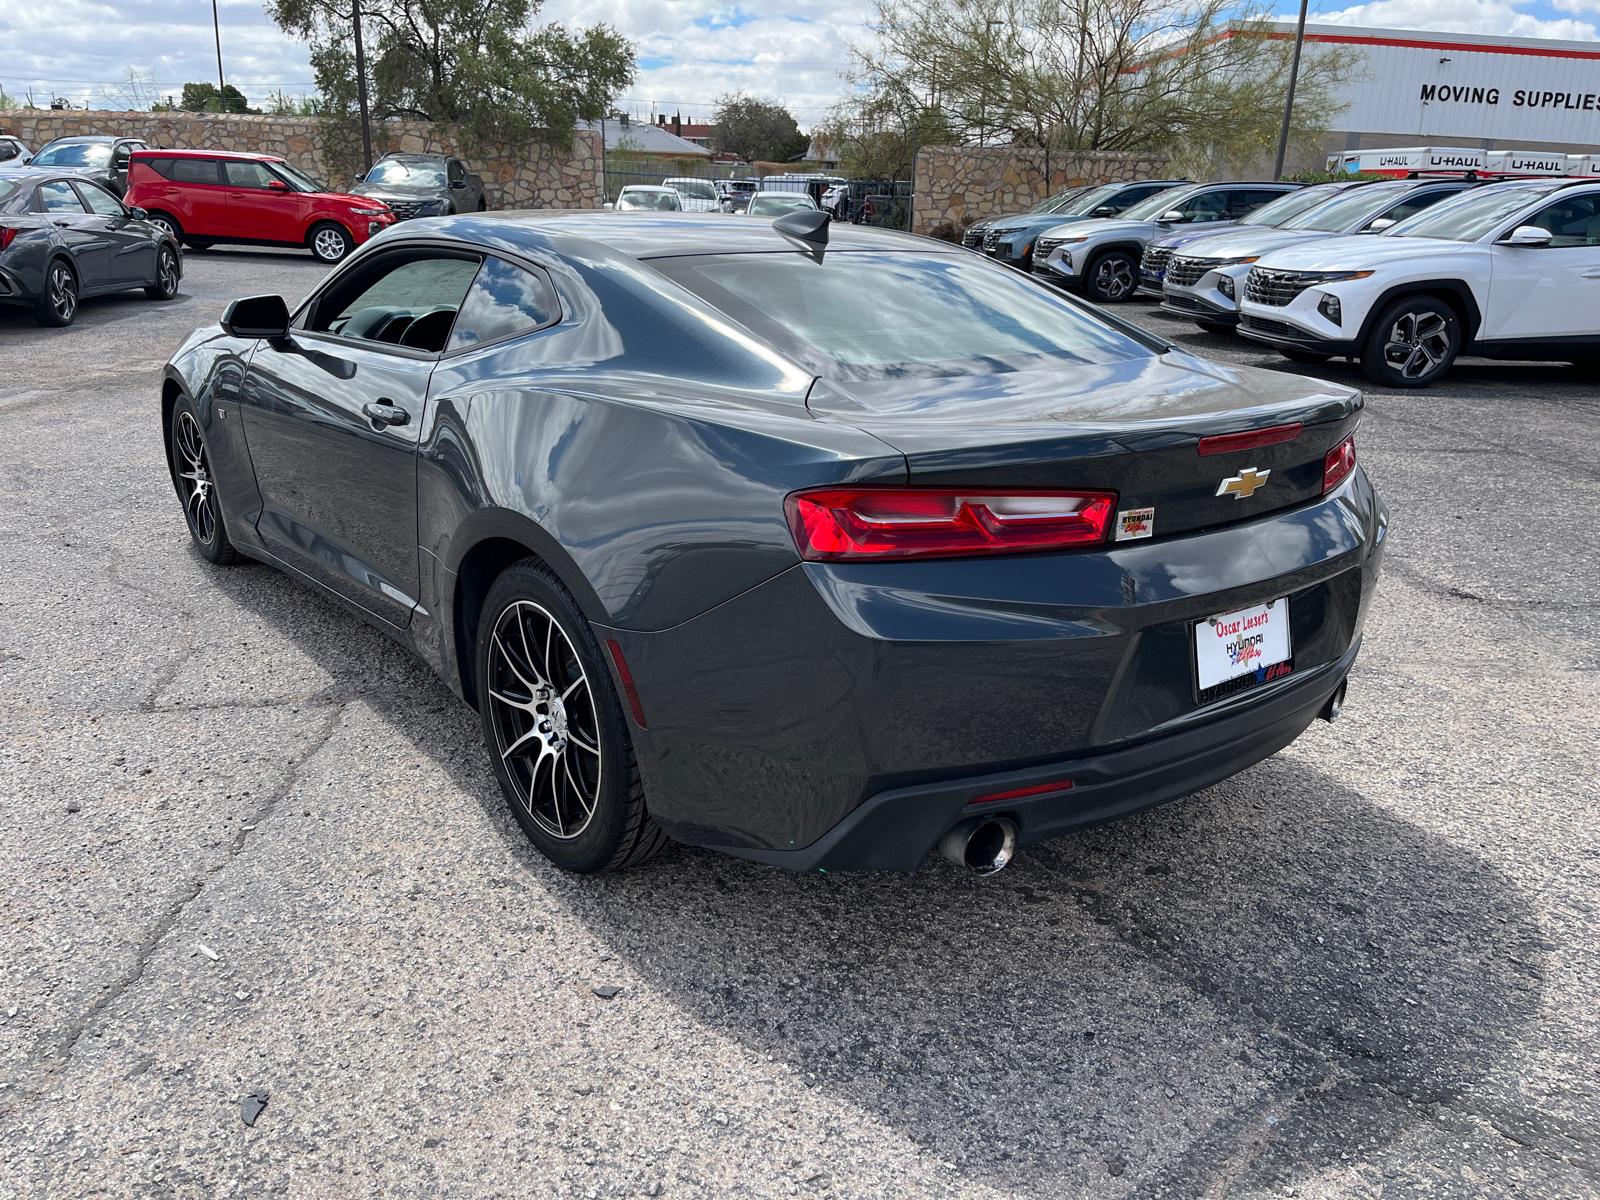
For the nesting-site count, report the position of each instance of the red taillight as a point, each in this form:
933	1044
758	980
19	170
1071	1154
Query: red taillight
5	237
833	524
1020	793
1251	440
1338	463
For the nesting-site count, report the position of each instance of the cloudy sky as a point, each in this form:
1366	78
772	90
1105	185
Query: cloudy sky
690	51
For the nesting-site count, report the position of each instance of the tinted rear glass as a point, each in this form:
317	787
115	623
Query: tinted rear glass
80	154
1338	215
877	316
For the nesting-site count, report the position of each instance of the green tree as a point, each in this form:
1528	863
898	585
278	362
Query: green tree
1203	81
755	130
202	97
482	64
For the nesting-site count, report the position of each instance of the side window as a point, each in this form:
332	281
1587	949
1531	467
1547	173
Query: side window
1128	197
8	150
193	170
1414	203
407	300
505	301
457	171
1572	221
1209	206
247	174
101	201
57	197
1244	201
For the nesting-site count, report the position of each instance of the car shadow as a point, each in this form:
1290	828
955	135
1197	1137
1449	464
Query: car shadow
1250	983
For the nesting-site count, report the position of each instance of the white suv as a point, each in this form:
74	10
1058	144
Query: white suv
1511	270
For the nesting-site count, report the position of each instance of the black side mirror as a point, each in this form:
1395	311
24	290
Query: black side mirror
361	176
257	317
138	214
458	184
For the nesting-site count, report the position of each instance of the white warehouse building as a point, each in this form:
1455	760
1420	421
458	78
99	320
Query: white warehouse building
1457	89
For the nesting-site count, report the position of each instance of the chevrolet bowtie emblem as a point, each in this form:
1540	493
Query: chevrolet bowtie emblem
1243	484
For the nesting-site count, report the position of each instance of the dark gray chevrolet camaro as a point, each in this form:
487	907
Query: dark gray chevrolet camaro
821	547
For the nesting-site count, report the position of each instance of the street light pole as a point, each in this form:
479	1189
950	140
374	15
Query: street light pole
361	87
222	87
1288	107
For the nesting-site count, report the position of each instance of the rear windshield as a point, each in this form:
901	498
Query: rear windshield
1338	215
649	202
74	154
695	189
1468	217
776	206
861	316
1291	205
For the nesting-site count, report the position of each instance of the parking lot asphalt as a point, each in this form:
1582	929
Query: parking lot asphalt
253	849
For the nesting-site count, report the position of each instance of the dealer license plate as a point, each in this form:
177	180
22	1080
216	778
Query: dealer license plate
1247	645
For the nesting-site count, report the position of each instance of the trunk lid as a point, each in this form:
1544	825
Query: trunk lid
1132	426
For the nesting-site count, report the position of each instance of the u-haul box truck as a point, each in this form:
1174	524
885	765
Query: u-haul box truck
1400	162
1527	162
1587	165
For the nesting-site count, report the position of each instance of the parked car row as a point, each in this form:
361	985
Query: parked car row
1404	274
673	196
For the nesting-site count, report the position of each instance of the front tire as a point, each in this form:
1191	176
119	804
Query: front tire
1111	277
57	305
167	275
1413	342
329	242
197	487
555	727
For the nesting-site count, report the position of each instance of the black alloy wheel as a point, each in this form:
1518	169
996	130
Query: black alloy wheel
1413	342
57	305
168	222
330	243
1112	277
197	488
167	275
555	727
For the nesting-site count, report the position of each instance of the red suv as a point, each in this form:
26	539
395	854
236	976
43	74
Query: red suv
209	196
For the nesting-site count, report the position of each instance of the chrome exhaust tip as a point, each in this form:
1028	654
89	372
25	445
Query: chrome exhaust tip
984	846
1335	703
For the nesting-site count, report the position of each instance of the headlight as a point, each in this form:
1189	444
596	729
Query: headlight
369	212
1237	262
1341	276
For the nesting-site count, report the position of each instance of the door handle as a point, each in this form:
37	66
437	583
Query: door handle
384	413
1592	273
63	224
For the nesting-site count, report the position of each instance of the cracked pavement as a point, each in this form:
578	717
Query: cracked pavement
254	849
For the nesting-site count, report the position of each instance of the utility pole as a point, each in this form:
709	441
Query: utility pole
222	86
1288	107
361	87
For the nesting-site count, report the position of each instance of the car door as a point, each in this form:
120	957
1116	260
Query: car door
82	233
332	415
460	198
117	174
198	197
133	259
1550	291
261	207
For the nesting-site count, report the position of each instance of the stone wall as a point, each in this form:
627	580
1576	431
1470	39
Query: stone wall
957	185
537	175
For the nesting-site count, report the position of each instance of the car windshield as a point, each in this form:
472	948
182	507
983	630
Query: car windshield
1291	205
776	206
74	154
1470	216
649	202
694	189
887	315
394	173
1153	206
297	178
1086	202
1057	202
1338	215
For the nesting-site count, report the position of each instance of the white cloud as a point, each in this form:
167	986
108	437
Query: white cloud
690	51
1492	17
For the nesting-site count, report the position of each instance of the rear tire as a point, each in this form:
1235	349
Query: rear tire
555	727
1112	277
168	222
167	275
330	242
57	305
1413	342
197	486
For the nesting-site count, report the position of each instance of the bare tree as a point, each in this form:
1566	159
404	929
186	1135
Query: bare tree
1205	80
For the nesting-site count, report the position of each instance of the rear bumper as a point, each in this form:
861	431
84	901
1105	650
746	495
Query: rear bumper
895	830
